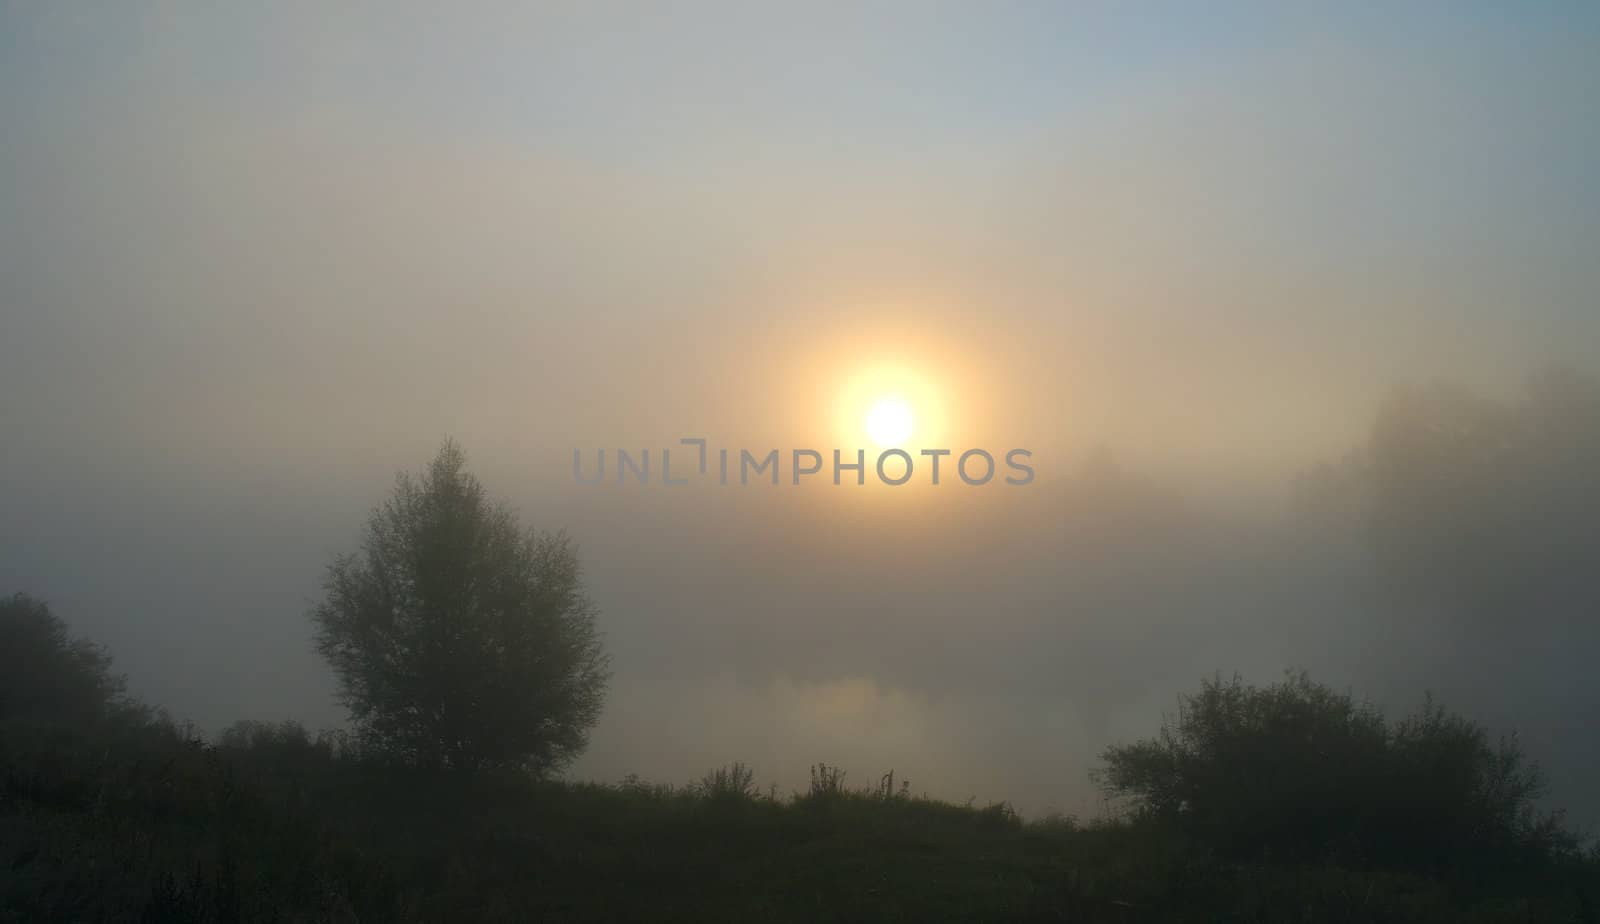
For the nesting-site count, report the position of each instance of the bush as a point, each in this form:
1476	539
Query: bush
1298	771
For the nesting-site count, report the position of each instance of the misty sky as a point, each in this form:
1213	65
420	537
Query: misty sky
254	262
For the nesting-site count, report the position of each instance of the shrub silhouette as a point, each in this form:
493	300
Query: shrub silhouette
1298	771
460	640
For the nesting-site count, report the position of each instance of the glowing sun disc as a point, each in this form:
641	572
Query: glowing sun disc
890	422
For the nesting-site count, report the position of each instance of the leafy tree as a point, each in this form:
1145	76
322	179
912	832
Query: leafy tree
1486	509
1299	771
47	675
1478	517
460	640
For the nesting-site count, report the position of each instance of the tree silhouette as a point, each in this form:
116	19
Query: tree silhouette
1487	510
460	640
47	675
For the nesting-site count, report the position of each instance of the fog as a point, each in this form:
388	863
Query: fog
253	264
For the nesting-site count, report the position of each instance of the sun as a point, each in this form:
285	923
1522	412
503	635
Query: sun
890	422
890	403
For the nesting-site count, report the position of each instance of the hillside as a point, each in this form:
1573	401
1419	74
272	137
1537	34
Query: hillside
158	826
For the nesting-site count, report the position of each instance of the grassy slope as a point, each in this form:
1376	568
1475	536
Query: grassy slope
179	832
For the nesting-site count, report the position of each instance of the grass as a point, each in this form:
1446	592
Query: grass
175	830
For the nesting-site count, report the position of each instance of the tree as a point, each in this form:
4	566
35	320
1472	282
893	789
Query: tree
1299	771
1486	510
458	639
1479	518
47	675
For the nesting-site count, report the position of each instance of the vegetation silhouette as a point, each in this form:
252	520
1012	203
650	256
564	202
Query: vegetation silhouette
459	639
1479	519
1297	770
1486	508
48	676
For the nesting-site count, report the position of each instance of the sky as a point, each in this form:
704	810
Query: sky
256	259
